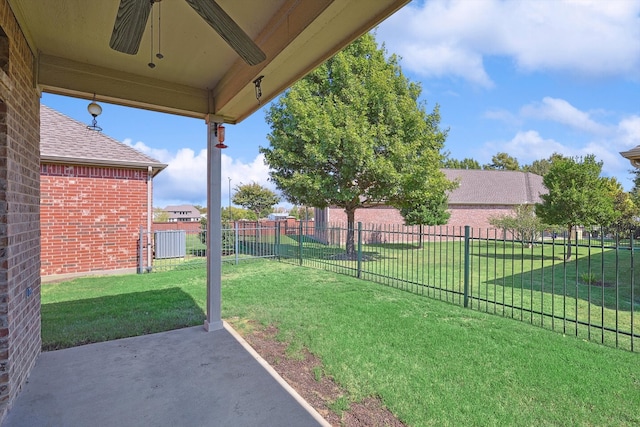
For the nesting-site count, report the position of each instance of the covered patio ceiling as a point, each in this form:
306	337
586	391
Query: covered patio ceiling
199	75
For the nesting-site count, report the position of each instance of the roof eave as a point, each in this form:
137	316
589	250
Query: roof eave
155	167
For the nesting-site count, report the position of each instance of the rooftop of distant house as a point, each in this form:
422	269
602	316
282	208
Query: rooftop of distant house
494	187
183	213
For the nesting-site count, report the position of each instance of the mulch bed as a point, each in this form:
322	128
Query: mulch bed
303	374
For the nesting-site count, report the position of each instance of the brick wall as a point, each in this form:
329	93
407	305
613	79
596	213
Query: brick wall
368	216
385	218
475	216
91	218
19	214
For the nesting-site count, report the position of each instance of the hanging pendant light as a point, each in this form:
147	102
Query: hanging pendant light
95	110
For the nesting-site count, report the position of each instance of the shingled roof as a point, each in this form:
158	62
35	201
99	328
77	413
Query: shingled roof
494	187
65	140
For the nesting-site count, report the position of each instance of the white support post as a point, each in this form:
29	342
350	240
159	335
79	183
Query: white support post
214	232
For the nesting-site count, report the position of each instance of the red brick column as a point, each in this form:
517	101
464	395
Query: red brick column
19	212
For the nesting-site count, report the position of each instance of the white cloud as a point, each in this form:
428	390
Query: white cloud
445	60
161	155
504	116
245	173
450	38
184	180
561	111
629	130
613	163
528	146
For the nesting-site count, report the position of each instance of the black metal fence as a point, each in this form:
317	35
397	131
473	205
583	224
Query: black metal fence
183	249
593	295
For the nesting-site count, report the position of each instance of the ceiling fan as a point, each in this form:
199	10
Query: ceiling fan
133	15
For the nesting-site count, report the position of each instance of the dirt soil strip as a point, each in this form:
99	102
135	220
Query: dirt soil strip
305	375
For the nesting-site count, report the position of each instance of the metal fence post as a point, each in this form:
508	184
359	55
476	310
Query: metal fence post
141	255
359	249
300	242
277	242
633	285
235	240
466	265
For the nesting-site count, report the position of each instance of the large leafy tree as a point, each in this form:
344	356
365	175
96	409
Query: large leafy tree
626	210
256	198
353	133
503	161
541	167
635	190
577	195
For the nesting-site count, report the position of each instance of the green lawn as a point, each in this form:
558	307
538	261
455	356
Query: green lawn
599	287
431	362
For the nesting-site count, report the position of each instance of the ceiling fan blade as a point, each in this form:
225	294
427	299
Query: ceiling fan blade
227	28
130	24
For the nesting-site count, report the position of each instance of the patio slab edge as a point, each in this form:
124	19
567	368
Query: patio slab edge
276	376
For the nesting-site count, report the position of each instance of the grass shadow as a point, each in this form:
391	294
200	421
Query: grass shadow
72	323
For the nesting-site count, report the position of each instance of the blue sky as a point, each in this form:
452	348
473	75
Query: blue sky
526	77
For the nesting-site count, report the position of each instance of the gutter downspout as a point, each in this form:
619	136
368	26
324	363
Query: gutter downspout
149	214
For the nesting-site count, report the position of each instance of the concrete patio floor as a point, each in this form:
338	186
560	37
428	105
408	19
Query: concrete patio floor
186	377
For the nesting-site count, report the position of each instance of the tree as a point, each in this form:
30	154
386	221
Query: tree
466	163
301	212
523	224
626	210
577	195
635	190
201	209
430	212
503	161
352	133
237	214
256	198
541	167
160	215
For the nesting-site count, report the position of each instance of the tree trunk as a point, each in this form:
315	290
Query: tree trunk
568	255
420	238
351	247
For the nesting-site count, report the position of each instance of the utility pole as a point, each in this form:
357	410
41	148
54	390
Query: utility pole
230	216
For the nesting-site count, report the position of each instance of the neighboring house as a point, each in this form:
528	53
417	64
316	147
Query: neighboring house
480	195
183	213
96	196
278	216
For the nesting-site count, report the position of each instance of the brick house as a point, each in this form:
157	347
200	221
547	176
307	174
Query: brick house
480	195
95	197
